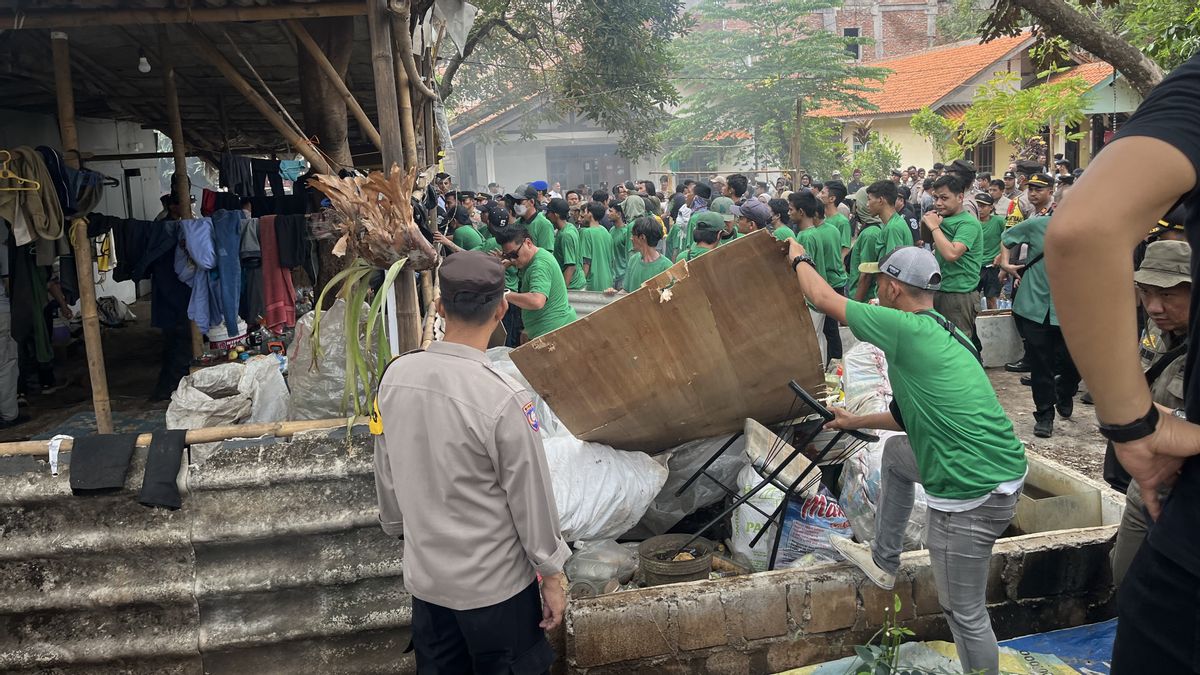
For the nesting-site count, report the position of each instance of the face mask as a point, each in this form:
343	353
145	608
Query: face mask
521	210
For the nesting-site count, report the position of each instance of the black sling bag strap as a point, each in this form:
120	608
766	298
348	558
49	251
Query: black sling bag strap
1166	360
953	333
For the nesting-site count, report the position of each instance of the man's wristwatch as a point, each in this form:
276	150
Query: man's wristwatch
803	259
1133	431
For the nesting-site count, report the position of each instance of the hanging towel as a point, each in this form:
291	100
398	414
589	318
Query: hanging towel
278	291
33	213
291	239
227	237
162	467
99	463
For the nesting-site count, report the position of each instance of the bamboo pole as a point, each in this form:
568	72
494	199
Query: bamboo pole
201	45
408	131
208	435
306	41
61	55
380	29
74	18
432	291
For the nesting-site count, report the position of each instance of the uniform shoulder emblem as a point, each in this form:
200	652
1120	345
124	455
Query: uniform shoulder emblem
531	416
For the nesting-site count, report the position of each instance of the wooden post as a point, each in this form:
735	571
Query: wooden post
202	46
379	27
796	142
308	44
79	240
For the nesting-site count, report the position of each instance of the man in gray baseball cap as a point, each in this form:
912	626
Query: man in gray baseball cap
960	445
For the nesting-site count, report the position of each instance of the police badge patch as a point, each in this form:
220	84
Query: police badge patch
531	416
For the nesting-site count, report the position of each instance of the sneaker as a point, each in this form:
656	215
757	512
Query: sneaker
860	556
1066	408
1018	366
1026	381
1043	428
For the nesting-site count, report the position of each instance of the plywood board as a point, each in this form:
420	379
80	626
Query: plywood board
692	354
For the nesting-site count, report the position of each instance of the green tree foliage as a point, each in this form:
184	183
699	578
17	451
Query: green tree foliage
608	61
942	134
744	66
960	21
1168	31
1019	115
876	159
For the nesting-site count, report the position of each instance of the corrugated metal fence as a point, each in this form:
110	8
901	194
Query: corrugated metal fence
275	564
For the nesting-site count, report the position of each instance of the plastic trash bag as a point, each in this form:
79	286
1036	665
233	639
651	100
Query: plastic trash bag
600	561
865	380
859	485
683	461
601	493
231	393
317	387
747	522
807	525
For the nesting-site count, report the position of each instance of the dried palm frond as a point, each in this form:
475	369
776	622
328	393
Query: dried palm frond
371	217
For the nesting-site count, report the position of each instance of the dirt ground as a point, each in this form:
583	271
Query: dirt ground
1075	442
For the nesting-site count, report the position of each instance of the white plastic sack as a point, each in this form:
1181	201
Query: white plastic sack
683	462
317	387
859	484
231	393
601	492
865	380
747	522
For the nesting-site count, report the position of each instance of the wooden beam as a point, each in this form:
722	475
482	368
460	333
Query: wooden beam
379	27
308	44
202	46
68	18
61	54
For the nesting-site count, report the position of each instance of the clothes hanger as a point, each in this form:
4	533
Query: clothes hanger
21	184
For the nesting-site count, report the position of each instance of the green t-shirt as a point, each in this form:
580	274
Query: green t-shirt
596	247
638	271
622	247
964	443
674	235
992	230
692	252
541	231
567	252
467	238
868	248
896	234
483	231
783	233
542	275
510	272
962	275
1033	302
842	223
830	264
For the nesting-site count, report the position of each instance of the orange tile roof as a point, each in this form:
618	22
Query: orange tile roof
1092	73
922	79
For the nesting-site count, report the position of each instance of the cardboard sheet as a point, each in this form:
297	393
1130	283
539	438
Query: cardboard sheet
692	354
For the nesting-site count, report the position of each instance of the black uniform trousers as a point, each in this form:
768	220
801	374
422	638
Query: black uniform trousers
833	333
1159	630
1055	379
494	640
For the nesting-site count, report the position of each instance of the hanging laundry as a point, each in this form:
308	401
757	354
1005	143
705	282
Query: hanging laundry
252	306
33	214
159	487
193	260
278	291
266	171
99	463
292	169
58	177
227	238
235	173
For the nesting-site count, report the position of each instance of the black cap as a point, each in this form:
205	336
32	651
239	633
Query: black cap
558	206
1062	162
1009	174
471	275
1066	179
702	190
984	198
961	166
464	194
522	192
498	218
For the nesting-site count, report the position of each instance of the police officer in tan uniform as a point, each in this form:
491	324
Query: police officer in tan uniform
1164	286
461	476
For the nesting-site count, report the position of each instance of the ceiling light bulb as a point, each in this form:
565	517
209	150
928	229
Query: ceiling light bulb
143	64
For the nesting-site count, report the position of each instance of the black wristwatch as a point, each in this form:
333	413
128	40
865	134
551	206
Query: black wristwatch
803	259
1135	430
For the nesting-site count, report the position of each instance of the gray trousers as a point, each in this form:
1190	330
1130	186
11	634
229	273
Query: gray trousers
1131	532
8	363
960	553
819	320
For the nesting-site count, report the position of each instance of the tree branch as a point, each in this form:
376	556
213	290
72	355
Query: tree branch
1059	18
406	53
477	34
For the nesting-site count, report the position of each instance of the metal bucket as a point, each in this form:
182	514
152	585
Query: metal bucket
658	572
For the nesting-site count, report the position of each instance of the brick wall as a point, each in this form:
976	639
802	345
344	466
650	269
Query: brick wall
773	621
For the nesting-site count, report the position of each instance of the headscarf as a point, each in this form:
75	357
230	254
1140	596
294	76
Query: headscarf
632	207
